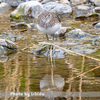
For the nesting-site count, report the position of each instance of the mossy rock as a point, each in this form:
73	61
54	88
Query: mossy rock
27	10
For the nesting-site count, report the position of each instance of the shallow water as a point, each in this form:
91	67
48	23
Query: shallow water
25	72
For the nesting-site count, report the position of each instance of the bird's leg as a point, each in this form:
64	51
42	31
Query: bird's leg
47	37
53	43
53	38
48	45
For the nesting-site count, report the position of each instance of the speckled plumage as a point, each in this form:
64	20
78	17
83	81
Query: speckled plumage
48	22
54	19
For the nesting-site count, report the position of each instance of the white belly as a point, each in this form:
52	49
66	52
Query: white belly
50	30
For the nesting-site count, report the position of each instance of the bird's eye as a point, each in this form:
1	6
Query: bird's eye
49	15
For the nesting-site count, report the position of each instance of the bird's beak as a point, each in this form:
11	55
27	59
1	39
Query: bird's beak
44	22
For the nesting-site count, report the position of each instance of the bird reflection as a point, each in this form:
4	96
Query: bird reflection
51	83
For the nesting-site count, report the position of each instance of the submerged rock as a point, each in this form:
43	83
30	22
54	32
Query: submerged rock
57	8
7	44
45	50
10	36
57	53
7	50
27	9
84	49
7	47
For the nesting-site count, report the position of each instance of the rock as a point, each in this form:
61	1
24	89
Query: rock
97	9
46	1
31	25
14	3
77	2
57	8
60	1
4	8
65	2
96	42
90	2
93	16
7	48
57	53
79	34
8	44
96	24
27	9
42	50
23	25
97	2
2	1
83	17
62	31
84	49
81	11
83	7
10	36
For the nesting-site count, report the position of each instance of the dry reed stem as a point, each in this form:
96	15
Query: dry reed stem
77	54
66	50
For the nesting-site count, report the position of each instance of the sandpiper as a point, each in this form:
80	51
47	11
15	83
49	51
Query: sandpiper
48	23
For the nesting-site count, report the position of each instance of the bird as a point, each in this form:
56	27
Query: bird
48	23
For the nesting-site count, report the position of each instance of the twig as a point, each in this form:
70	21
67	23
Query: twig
66	50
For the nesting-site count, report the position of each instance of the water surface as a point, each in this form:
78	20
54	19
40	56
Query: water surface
25	72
